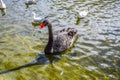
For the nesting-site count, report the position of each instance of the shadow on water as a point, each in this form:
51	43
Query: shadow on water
41	59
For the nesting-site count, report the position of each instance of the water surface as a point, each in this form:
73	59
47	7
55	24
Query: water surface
95	55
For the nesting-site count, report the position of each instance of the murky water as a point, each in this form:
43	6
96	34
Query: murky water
95	55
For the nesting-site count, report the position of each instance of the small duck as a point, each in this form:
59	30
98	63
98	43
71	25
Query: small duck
83	13
2	7
29	2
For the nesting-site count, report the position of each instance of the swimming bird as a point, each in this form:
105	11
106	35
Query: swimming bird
36	19
83	13
2	7
61	42
30	2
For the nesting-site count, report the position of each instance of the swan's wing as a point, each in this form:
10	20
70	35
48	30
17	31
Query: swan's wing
64	40
61	43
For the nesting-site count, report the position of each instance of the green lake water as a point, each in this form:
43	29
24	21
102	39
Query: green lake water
94	56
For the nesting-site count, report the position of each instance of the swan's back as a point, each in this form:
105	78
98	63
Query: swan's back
64	40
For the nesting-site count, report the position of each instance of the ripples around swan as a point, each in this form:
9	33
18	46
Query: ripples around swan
95	55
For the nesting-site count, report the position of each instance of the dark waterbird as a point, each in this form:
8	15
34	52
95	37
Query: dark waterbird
62	42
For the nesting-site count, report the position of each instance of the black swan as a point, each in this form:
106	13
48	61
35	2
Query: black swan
63	41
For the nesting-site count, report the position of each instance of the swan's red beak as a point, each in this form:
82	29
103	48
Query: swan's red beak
42	25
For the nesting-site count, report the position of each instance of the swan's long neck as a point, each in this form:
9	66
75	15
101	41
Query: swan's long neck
48	47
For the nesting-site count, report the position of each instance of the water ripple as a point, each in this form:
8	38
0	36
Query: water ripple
94	56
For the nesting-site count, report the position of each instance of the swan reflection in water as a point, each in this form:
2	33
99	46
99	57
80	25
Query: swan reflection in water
41	59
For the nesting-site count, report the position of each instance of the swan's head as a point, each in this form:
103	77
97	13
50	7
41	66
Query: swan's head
44	22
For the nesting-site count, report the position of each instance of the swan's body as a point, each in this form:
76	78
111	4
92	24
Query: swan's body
83	14
63	41
2	5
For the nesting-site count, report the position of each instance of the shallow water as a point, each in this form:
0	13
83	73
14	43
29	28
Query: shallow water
95	55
